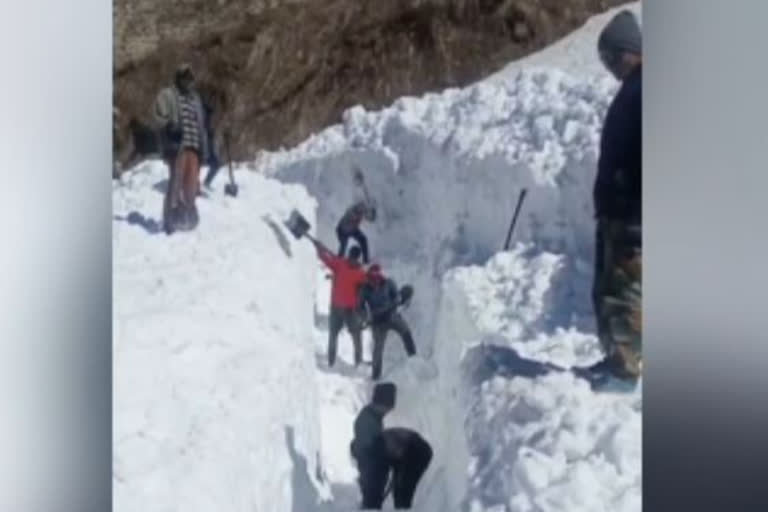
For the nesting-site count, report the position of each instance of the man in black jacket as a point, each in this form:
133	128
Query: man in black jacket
408	455
368	447
379	451
349	227
380	298
616	292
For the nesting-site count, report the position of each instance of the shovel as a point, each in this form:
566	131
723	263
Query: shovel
359	180
298	225
230	188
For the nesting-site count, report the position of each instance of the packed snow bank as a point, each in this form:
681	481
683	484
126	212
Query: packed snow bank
445	171
540	439
222	398
215	399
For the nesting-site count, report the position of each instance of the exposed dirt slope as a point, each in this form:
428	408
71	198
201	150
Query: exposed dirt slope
279	70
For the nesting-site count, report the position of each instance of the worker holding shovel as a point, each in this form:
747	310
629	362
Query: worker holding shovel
348	276
349	224
349	227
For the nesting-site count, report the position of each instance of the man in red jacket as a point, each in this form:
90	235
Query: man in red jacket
348	276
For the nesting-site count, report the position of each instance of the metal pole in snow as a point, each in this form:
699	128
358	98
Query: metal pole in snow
514	217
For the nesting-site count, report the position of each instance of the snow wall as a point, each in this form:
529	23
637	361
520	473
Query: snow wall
446	170
215	401
215	380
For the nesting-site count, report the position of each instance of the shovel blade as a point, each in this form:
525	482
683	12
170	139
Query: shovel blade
297	224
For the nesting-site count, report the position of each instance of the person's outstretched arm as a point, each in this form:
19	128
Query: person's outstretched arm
326	256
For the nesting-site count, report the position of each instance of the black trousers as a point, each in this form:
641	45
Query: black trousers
374	474
339	317
380	330
358	236
213	170
407	472
406	475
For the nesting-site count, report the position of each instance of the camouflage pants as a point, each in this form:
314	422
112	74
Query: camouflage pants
617	294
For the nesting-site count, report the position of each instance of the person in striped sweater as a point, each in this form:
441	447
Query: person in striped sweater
179	116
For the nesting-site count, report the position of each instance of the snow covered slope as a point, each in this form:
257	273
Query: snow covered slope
223	400
215	401
575	54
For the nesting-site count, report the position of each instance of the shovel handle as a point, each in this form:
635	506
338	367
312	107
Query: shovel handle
360	182
229	158
314	240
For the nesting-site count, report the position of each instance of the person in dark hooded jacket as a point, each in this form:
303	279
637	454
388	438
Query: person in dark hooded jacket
398	454
368	447
349	227
616	292
380	298
408	455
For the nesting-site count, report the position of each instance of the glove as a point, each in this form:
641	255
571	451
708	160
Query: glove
405	295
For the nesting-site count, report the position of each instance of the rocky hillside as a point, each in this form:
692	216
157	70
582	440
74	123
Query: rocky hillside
279	70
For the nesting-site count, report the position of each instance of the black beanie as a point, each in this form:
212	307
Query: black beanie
621	34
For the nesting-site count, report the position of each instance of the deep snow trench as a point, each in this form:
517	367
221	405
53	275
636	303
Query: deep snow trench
222	399
445	171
